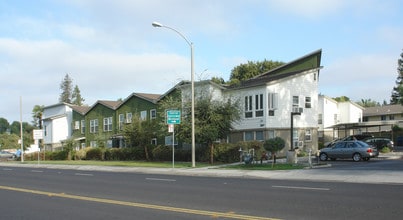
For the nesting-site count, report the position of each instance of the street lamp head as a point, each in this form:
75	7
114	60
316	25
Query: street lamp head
157	24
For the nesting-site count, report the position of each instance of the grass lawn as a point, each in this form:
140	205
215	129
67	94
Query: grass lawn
167	164
267	166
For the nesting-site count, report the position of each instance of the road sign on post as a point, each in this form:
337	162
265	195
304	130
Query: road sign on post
173	116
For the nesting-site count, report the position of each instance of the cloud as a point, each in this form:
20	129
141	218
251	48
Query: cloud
369	76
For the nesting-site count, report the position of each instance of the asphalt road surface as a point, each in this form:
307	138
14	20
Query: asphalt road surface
38	194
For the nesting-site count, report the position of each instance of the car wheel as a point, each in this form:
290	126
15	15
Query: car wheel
323	156
357	157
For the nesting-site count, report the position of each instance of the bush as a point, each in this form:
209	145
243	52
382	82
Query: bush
274	145
385	150
94	153
226	153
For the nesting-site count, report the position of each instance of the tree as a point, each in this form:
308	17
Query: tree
397	92
76	97
37	113
67	88
368	103
4	125
251	69
342	99
140	132
274	145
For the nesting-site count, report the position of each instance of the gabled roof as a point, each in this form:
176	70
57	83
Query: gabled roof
307	62
146	96
110	104
383	110
80	109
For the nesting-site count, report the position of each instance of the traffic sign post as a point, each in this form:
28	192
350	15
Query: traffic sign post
173	118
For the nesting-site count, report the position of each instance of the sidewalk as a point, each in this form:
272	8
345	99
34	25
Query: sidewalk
325	174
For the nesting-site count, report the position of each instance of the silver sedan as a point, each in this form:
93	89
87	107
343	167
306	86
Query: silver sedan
6	154
357	150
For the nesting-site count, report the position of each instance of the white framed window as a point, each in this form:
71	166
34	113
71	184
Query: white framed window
308	103
143	115
295	102
93	144
153	114
121	121
94	126
272	100
248	136
259	105
248	107
259	136
295	138
308	135
154	141
320	119
270	134
77	125
82	126
129	117
108	124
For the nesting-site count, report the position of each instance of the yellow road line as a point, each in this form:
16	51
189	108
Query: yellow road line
140	205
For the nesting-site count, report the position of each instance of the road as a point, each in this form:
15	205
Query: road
38	193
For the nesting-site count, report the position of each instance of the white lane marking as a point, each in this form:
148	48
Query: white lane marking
157	179
37	171
301	187
84	174
8	169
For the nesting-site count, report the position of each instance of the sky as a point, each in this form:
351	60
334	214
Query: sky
110	49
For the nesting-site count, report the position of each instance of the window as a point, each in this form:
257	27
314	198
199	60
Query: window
391	117
129	117
295	138
248	136
108	124
383	118
270	134
320	119
121	121
259	135
295	102
335	118
259	105
154	141
308	135
143	115
82	126
93	144
77	125
153	114
248	107
272	101
94	126
308	102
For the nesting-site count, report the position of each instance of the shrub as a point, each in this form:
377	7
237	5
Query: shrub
94	153
385	150
274	145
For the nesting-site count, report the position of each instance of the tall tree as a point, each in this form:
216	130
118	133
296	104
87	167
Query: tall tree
67	88
397	92
76	97
37	113
4	125
251	69
368	103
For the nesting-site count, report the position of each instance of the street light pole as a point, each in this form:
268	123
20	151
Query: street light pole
156	24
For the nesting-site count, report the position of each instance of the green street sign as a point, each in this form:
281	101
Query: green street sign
173	116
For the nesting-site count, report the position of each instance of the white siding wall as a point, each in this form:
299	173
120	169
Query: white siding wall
330	109
302	85
57	120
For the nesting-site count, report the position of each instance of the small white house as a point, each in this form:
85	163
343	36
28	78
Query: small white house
57	122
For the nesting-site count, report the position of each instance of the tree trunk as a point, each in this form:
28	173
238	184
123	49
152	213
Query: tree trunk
211	153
